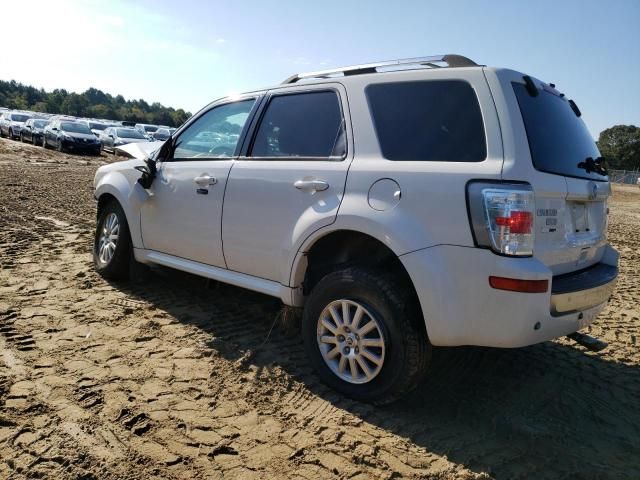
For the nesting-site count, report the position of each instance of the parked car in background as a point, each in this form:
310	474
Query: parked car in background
66	135
113	137
12	123
96	127
33	130
161	134
147	129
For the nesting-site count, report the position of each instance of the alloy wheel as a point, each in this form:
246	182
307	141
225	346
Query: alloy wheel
351	341
108	240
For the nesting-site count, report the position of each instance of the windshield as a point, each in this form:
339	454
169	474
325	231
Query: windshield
558	138
97	126
129	133
16	117
150	128
40	123
74	127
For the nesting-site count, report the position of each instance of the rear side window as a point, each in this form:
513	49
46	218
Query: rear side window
437	120
306	124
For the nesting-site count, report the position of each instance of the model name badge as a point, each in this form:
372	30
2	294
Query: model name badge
547	212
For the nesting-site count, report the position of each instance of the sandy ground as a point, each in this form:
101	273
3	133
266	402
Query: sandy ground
174	377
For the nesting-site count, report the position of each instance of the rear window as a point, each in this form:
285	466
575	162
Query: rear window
129	133
437	120
558	139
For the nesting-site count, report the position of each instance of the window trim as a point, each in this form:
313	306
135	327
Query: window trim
257	98
461	80
260	116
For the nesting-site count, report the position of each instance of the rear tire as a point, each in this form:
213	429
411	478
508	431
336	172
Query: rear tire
396	350
112	243
34	141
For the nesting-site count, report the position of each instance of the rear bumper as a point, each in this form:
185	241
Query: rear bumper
584	289
461	308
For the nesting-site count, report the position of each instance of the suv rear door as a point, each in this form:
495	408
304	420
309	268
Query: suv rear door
290	179
544	141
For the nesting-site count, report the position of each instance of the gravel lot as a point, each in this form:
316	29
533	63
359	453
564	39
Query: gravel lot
176	377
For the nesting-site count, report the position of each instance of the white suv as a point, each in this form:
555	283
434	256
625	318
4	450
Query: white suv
401	204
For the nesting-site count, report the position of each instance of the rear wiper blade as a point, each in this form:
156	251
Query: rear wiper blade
596	165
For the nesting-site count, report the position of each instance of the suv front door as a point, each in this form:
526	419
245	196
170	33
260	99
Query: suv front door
290	180
183	215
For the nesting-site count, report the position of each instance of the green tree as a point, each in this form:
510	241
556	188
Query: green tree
92	103
620	146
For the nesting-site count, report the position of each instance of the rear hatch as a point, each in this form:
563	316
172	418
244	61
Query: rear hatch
548	145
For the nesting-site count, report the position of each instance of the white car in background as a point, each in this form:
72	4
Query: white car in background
12	123
400	205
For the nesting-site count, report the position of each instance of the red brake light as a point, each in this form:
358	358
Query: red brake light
517	222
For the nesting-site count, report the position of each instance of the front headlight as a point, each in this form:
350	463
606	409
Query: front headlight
68	137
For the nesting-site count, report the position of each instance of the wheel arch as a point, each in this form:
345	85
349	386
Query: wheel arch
329	250
113	187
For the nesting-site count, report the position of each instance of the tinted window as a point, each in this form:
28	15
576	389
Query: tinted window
558	139
40	123
97	126
301	125
216	133
150	128
428	121
130	133
75	127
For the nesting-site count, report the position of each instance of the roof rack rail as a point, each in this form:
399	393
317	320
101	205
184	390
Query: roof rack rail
451	60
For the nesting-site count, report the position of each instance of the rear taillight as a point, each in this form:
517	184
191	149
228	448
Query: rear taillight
502	217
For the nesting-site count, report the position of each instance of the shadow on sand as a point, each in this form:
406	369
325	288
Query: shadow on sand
546	411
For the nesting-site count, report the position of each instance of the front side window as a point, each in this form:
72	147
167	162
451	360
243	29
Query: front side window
306	124
436	120
215	134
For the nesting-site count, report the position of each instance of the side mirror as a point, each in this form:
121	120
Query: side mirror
111	136
148	173
55	129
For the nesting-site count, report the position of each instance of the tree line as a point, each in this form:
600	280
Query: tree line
92	103
620	147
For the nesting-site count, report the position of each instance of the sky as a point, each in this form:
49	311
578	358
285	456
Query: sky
187	53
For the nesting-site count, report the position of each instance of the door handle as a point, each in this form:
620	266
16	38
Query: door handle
311	185
205	180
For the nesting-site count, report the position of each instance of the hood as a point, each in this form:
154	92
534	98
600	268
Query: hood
141	149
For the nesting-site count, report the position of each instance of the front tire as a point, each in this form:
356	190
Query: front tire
59	146
363	334
112	243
